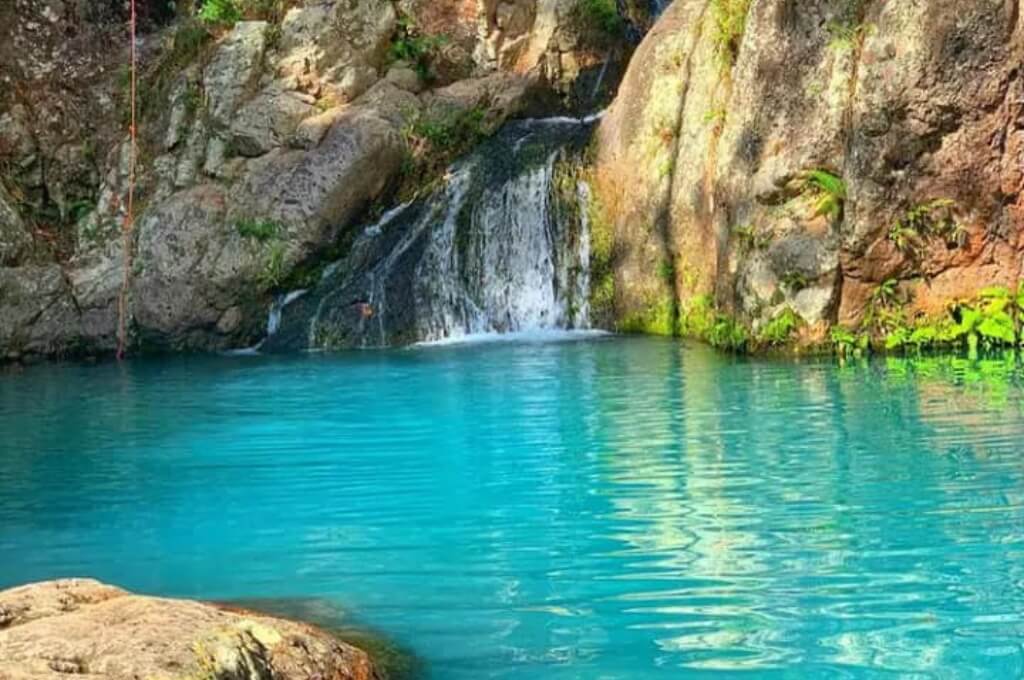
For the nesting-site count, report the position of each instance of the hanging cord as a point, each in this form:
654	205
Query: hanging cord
128	226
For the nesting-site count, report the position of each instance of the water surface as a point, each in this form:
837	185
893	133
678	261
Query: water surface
606	508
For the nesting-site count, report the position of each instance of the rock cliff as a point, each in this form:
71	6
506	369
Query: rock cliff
770	173
774	168
266	129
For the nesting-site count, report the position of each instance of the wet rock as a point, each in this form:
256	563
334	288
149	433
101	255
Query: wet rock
39	315
80	626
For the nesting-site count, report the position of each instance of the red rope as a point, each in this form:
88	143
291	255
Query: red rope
128	226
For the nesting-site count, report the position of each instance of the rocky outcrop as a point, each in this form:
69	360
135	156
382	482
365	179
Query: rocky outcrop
771	156
82	627
261	144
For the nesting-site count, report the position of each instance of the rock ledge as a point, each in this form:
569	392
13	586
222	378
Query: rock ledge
82	627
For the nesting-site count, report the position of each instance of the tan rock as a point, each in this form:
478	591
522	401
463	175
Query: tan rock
81	626
709	141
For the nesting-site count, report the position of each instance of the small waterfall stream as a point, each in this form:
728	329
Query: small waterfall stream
502	247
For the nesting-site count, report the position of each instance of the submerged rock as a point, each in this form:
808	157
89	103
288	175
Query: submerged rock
81	626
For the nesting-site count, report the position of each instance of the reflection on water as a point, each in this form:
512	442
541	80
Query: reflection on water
617	508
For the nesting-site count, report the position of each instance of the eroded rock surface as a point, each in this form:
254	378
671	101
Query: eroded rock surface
703	160
261	145
83	627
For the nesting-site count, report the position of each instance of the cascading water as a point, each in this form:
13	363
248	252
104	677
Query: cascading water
659	6
502	247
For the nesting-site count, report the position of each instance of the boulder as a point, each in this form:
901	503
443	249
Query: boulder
81	626
39	315
192	268
335	48
234	71
268	120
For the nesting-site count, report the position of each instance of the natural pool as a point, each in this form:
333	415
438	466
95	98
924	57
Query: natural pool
609	508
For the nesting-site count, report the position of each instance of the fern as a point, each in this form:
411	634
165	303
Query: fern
830	191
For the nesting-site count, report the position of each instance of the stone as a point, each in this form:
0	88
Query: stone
80	626
336	47
234	71
192	267
268	120
405	78
15	238
37	312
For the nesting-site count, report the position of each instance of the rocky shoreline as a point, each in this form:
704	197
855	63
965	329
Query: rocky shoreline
57	629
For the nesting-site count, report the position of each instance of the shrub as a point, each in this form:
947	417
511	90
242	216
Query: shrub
220	12
781	328
411	46
933	218
272	274
602	16
258	230
433	140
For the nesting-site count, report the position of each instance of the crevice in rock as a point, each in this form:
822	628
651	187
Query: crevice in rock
663	216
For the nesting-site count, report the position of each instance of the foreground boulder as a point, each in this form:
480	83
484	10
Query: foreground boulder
81	626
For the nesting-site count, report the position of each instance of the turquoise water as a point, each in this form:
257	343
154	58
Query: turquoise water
613	508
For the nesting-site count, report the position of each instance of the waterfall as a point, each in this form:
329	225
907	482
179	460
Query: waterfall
502	247
659	6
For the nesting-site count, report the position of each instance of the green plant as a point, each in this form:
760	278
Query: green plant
666	270
602	16
845	35
220	12
828	189
906	239
193	98
434	139
988	320
794	281
716	115
780	328
698	318
730	20
933	218
751	238
80	209
413	47
848	343
257	229
884	295
728	334
272	274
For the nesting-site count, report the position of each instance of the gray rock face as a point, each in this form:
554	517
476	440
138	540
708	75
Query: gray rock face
15	240
79	626
234	71
292	129
39	314
268	120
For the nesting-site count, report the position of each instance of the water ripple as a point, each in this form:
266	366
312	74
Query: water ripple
605	509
